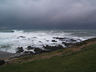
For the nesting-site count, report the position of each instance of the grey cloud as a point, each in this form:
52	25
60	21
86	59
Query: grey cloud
48	10
37	7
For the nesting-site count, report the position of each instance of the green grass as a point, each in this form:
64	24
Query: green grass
82	61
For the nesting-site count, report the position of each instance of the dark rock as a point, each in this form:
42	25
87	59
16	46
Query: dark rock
72	40
28	52
11	31
54	41
2	62
59	38
40	41
67	44
38	50
30	48
19	50
53	48
21	37
68	39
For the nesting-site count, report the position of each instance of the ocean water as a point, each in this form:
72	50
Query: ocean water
11	39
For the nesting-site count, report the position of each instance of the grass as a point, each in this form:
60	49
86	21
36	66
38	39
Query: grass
80	61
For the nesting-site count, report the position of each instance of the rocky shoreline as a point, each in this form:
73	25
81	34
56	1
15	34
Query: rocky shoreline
4	56
66	42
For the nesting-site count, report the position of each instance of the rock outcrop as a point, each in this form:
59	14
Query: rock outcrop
2	62
19	50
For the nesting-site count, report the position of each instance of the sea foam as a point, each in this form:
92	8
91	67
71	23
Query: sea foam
9	41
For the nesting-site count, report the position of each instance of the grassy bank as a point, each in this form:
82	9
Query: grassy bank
80	58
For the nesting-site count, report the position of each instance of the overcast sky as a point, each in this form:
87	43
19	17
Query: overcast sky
48	13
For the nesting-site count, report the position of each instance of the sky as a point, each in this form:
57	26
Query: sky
59	14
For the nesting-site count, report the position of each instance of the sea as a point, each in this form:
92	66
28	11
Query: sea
10	40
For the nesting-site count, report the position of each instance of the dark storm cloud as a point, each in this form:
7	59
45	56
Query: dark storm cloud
58	12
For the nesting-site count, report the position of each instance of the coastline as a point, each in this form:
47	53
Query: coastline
12	58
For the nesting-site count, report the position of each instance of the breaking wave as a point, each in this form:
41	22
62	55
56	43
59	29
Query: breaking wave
9	41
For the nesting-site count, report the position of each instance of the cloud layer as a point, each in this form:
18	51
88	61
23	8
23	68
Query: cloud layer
48	10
